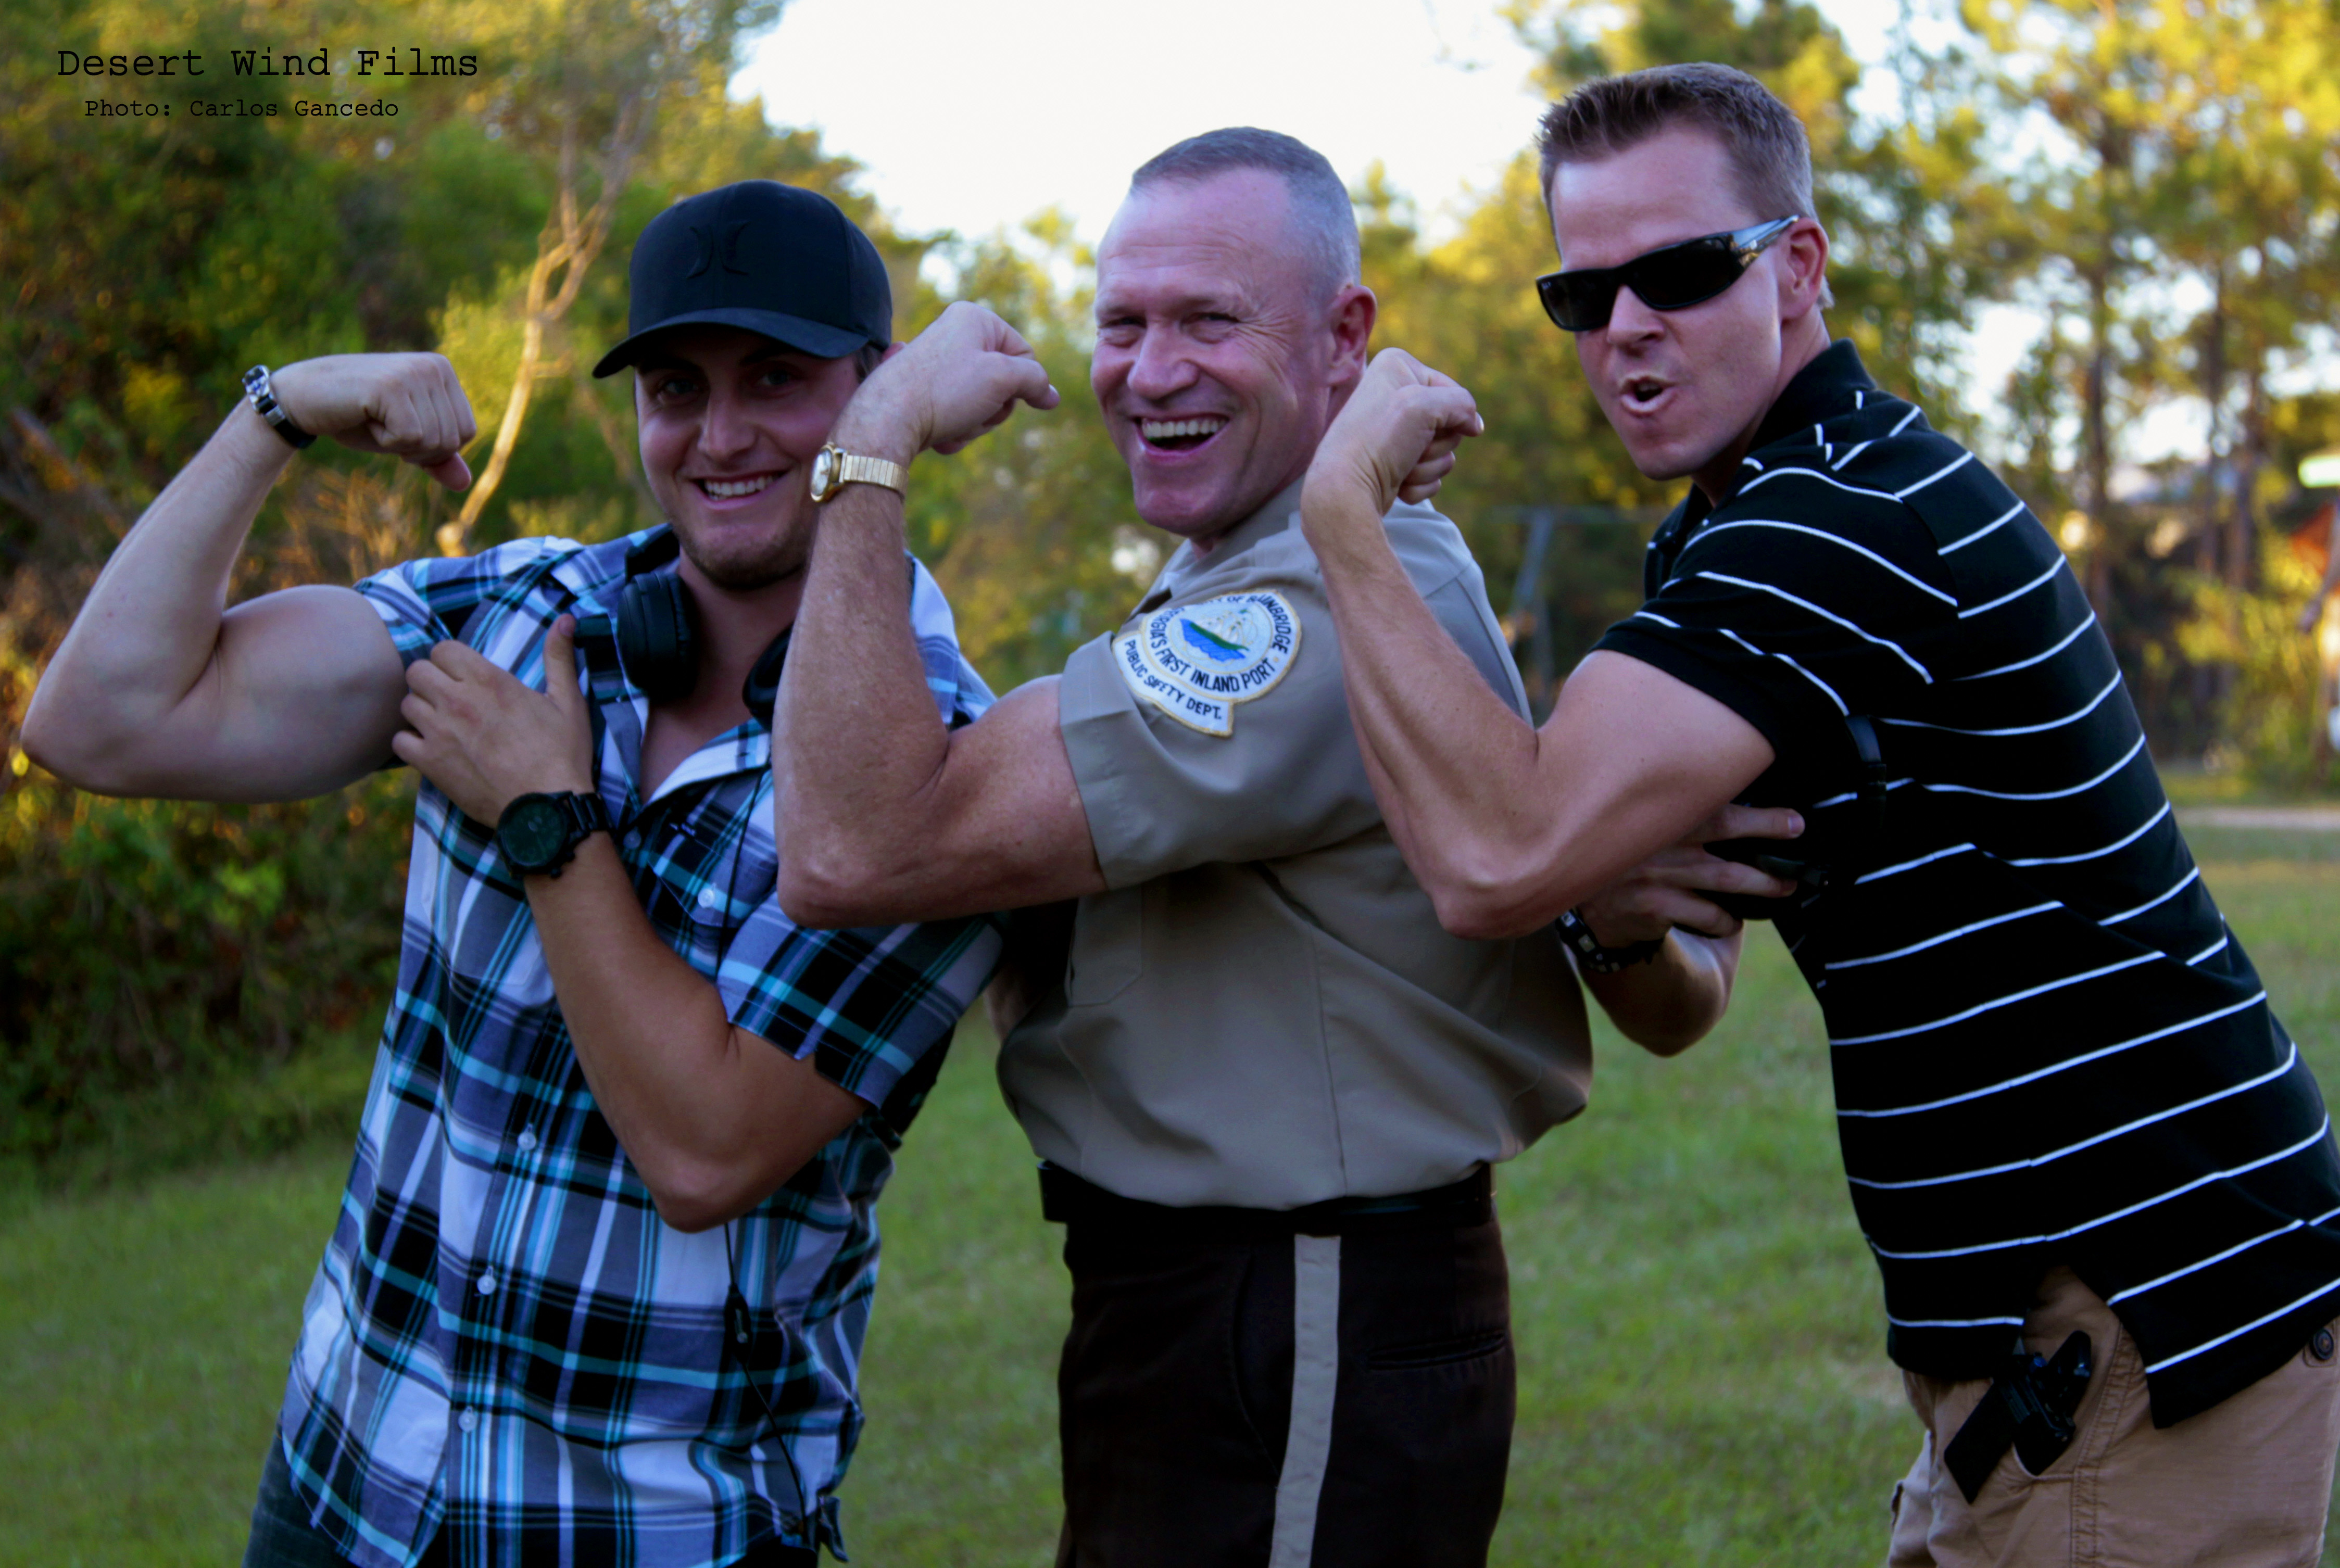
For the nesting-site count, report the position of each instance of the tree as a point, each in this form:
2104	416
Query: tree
2251	176
584	82
147	261
2184	150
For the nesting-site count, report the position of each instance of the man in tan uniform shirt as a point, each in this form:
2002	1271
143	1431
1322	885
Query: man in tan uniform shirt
1267	1087
1261	1010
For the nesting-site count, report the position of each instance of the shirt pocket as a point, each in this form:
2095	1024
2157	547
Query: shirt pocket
732	890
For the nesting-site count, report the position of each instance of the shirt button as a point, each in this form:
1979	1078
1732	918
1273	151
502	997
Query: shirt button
469	1420
634	841
709	897
526	1138
487	1283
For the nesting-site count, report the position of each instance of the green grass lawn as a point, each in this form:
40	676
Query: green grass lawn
1701	1369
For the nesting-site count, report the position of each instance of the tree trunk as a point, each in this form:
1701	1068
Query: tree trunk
2209	540
2098	450
454	537
2243	550
569	244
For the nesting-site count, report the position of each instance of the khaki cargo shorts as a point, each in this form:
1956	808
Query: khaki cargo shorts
2244	1484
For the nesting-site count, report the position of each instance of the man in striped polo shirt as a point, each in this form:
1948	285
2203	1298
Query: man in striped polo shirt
2065	1105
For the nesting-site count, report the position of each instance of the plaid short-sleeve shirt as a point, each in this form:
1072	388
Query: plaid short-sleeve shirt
504	1343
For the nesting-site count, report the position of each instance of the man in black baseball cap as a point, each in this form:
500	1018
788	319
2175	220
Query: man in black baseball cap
601	1276
755	311
766	258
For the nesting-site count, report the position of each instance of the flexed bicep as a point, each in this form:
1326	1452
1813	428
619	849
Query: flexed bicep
159	689
301	697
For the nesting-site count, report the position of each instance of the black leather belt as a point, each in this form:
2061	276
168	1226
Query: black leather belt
1068	1199
2028	1407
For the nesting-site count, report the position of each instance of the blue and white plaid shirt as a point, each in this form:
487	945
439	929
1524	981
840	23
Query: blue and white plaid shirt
504	1343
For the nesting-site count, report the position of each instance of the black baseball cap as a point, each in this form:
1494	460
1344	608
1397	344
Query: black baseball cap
763	256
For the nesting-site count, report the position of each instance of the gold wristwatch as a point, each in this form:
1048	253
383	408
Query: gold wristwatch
834	467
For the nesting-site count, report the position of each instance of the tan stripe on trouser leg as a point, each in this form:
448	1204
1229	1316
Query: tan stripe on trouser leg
1315	1370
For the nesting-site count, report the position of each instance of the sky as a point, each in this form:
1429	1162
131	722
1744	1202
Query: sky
973	117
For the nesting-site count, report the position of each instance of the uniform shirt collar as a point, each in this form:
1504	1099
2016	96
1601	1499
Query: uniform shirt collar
1273	516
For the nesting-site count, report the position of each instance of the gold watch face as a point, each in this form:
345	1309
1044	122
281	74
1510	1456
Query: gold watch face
823	473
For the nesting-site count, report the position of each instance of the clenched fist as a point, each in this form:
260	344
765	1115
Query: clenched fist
1395	437
962	376
410	406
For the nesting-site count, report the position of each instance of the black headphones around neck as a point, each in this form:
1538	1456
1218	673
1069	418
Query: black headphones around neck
657	637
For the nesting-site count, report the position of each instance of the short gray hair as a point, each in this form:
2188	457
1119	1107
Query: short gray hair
1321	213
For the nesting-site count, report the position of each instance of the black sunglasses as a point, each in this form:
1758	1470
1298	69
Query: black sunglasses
1670	278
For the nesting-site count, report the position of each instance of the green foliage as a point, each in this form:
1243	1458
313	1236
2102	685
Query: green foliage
2266	724
188	247
1020	527
186	978
143	942
480	336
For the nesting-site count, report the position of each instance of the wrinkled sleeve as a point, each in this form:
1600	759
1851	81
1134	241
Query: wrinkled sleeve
428	601
960	692
1162	795
866	1006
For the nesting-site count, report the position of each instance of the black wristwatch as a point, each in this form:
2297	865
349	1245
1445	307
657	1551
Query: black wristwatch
540	833
1590	955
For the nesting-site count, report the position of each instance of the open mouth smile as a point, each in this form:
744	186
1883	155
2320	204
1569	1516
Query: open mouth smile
733	489
1180	435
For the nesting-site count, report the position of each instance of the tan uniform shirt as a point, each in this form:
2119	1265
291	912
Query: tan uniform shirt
1265	1010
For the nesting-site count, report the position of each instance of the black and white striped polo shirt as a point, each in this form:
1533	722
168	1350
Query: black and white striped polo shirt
2048	1049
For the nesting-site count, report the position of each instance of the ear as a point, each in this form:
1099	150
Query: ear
1351	318
891	350
1803	269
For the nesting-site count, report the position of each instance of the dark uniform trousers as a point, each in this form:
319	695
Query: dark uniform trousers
1238	1392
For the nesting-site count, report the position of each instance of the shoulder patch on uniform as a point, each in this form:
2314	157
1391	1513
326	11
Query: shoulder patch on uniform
1195	662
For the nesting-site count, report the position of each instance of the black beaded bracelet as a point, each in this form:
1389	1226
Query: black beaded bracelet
1590	955
263	397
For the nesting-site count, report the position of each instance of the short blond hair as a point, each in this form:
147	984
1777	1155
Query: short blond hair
1768	148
